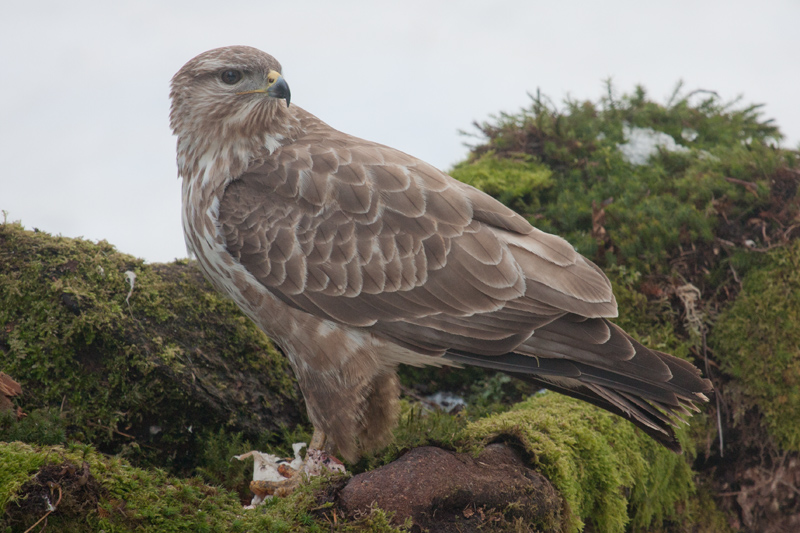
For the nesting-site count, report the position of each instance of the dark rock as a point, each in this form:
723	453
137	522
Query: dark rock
445	491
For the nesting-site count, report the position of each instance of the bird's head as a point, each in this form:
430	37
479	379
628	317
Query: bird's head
229	95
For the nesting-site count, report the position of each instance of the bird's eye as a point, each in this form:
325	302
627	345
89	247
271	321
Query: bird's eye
230	77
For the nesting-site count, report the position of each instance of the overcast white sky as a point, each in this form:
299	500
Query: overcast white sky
85	147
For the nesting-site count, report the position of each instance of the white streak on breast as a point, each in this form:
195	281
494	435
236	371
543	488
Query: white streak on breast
272	143
213	214
206	166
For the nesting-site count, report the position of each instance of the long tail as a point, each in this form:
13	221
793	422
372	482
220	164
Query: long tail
596	361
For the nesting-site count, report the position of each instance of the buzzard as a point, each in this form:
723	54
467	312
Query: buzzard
355	257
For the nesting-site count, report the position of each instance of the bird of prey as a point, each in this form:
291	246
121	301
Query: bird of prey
355	257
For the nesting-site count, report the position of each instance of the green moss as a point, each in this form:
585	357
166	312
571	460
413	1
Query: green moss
41	426
416	427
145	372
701	217
217	468
651	321
652	211
757	341
134	499
16	466
513	179
600	463
702	514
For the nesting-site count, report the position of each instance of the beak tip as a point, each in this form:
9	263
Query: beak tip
280	89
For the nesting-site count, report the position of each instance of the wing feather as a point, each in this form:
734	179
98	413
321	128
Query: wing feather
363	234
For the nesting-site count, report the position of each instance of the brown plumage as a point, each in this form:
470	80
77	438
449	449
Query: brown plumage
355	257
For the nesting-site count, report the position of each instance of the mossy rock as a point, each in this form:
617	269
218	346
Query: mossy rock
611	477
121	497
148	368
609	473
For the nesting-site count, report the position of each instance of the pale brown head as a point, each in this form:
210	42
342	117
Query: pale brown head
224	98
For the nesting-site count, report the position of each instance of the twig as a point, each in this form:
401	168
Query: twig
716	397
114	430
698	91
767	249
48	512
724	243
735	275
790	486
751	187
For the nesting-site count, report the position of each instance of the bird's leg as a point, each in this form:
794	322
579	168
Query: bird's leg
318	440
292	476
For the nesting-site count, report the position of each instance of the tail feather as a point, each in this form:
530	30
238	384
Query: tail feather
596	361
654	426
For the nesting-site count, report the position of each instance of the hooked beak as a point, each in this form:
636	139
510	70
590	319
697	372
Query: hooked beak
280	89
276	87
